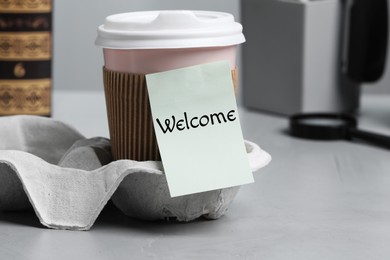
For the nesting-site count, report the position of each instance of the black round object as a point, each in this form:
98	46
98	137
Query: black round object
322	126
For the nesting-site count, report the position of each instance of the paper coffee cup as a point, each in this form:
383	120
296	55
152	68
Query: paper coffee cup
138	43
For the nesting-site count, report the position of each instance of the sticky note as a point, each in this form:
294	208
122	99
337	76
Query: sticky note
198	130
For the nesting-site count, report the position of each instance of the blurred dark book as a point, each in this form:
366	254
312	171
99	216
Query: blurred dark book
25	57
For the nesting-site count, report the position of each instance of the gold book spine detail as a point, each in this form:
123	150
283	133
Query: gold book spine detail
25	6
25	46
25	97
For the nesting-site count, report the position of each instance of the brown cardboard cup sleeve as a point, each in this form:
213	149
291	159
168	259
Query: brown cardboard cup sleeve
129	116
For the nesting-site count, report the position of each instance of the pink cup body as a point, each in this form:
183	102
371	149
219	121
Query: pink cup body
145	61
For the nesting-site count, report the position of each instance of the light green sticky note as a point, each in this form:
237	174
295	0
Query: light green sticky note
197	128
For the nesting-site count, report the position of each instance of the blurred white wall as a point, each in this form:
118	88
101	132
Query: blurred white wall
77	61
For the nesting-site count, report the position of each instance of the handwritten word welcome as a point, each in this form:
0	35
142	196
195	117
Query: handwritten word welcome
195	122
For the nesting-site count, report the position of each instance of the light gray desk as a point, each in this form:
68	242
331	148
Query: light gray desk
316	200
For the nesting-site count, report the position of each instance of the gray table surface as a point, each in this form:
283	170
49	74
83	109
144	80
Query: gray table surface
316	200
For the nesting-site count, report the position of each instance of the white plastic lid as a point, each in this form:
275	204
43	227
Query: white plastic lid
169	29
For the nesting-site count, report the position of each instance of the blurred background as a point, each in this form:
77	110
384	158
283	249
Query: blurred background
78	62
